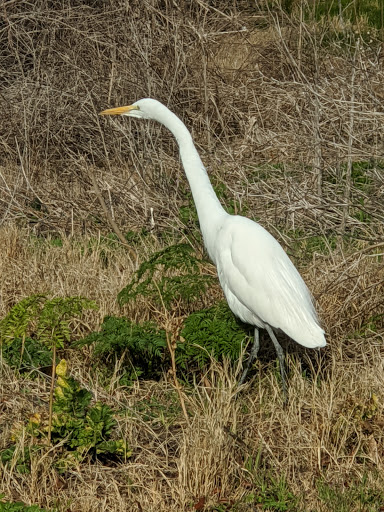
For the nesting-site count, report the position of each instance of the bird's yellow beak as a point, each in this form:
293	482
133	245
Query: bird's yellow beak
118	111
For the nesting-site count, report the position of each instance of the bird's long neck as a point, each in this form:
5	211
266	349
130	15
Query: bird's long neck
209	210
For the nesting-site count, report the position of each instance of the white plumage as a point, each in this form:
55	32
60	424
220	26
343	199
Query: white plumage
261	284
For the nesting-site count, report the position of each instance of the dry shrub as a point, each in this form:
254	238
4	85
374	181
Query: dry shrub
253	86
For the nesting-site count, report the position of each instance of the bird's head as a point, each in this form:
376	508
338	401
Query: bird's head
146	108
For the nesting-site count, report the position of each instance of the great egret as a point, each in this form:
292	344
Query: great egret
261	284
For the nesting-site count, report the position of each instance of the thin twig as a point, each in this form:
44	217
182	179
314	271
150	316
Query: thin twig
109	217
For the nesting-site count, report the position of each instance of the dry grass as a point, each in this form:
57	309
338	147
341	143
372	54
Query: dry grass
281	113
330	430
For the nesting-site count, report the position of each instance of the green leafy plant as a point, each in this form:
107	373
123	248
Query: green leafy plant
143	345
46	320
80	428
21	319
169	276
18	458
17	506
212	332
28	355
54	321
35	327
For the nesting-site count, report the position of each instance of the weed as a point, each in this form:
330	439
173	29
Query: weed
168	277
211	333
359	495
143	345
354	12
372	325
273	494
80	429
28	355
208	333
16	506
47	320
20	459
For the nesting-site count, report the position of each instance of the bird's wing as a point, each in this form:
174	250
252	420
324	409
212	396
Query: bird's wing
253	267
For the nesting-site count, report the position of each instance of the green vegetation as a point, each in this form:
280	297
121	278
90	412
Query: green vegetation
35	327
143	347
78	429
30	335
372	325
27	355
363	495
369	11
47	320
208	333
170	276
16	506
274	494
211	333
270	492
19	457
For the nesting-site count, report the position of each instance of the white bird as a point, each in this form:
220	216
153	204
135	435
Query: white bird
261	284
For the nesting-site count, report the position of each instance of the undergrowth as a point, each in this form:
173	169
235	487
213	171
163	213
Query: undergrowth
142	348
17	506
35	327
169	276
77	430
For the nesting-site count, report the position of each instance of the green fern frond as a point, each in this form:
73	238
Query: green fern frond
20	319
53	323
212	332
172	274
144	345
46	319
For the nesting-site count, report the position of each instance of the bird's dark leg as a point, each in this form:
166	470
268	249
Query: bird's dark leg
280	355
252	355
